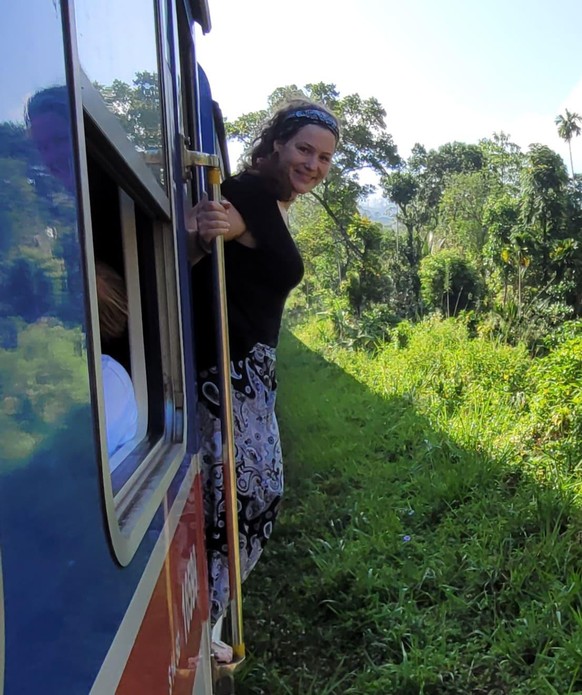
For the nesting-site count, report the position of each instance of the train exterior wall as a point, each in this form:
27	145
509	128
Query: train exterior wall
73	620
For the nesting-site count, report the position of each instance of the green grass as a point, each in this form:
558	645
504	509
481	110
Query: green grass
427	543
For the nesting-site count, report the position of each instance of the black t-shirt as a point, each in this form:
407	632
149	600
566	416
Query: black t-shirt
258	279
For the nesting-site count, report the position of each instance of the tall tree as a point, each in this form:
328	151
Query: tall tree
544	180
138	108
568	126
461	212
503	161
504	253
402	187
417	190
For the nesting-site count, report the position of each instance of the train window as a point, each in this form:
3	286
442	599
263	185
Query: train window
124	249
125	72
139	247
131	235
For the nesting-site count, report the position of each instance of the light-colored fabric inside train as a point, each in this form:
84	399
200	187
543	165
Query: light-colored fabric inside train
120	404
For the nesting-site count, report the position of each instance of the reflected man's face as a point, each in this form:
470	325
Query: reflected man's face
50	133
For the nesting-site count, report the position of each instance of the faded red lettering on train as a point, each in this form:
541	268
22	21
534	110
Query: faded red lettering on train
165	654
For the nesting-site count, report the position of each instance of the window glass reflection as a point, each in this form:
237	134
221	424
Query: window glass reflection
49	126
117	51
43	368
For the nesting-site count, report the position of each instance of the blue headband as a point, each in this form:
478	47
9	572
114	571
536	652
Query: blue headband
316	117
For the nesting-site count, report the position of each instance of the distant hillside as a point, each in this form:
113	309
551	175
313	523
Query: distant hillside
379	209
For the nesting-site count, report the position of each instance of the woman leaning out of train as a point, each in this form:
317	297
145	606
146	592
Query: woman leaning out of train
292	155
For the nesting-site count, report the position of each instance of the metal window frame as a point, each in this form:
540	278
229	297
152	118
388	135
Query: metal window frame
130	511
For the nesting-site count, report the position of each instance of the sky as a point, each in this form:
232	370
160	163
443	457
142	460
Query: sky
443	70
32	46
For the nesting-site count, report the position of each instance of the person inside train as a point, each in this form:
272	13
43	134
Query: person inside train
292	155
118	392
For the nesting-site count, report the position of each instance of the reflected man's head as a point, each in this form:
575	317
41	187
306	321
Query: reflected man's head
49	123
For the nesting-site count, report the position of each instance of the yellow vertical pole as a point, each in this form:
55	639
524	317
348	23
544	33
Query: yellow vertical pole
227	428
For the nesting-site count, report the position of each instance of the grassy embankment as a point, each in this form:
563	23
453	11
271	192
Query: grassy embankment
431	538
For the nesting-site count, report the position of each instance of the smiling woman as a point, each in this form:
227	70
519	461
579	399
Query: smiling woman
306	157
291	156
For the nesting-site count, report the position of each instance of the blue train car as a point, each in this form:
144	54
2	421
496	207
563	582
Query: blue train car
103	585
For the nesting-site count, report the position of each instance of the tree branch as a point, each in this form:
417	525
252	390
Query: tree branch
342	230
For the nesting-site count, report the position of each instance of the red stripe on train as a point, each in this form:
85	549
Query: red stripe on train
164	656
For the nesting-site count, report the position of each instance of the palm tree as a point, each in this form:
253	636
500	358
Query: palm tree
568	126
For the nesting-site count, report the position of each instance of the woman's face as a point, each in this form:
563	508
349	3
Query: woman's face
306	157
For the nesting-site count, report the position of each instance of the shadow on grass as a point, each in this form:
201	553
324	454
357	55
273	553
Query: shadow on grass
402	563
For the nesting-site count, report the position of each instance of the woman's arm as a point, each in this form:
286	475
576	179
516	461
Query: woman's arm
209	219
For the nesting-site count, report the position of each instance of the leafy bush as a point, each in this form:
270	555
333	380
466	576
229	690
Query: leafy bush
532	324
375	326
556	402
568	330
449	282
401	333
